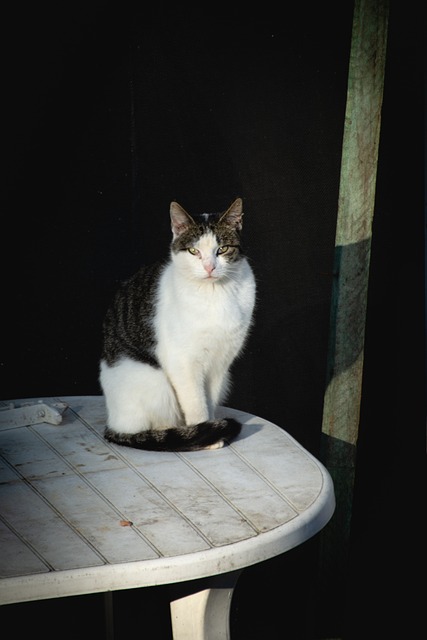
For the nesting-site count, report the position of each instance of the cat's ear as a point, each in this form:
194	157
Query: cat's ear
234	214
180	219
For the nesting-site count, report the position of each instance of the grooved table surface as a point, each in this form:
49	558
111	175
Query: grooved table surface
80	515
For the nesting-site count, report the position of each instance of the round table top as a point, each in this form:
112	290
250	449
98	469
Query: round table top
81	515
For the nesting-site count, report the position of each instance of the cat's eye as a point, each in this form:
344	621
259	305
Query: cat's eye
223	249
193	251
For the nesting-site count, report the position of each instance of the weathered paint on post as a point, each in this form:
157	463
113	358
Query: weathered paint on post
350	287
354	221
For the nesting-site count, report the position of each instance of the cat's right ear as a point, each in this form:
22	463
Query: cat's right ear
234	214
180	219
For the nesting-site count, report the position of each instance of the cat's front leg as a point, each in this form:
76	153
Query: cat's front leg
217	386
189	387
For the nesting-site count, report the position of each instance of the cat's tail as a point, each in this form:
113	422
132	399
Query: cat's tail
211	434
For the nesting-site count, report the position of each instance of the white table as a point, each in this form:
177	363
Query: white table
79	515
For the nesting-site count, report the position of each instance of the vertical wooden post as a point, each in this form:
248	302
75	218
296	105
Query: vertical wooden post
351	270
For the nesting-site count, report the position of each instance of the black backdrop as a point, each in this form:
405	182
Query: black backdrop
113	116
112	112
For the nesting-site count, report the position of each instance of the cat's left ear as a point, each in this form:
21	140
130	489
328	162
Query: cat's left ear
234	214
180	219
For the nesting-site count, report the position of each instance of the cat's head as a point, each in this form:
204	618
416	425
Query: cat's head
207	246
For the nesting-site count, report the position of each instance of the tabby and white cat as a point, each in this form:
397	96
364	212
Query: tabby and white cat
171	335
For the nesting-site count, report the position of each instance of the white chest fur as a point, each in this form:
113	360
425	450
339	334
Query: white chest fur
203	319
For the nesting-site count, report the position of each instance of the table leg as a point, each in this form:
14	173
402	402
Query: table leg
109	615
204	613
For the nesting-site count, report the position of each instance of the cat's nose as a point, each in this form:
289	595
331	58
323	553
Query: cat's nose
209	267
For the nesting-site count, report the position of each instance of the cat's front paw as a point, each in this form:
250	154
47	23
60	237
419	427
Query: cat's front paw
216	445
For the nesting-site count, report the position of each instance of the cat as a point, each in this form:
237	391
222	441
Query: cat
171	334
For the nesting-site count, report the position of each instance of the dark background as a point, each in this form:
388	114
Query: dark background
111	112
